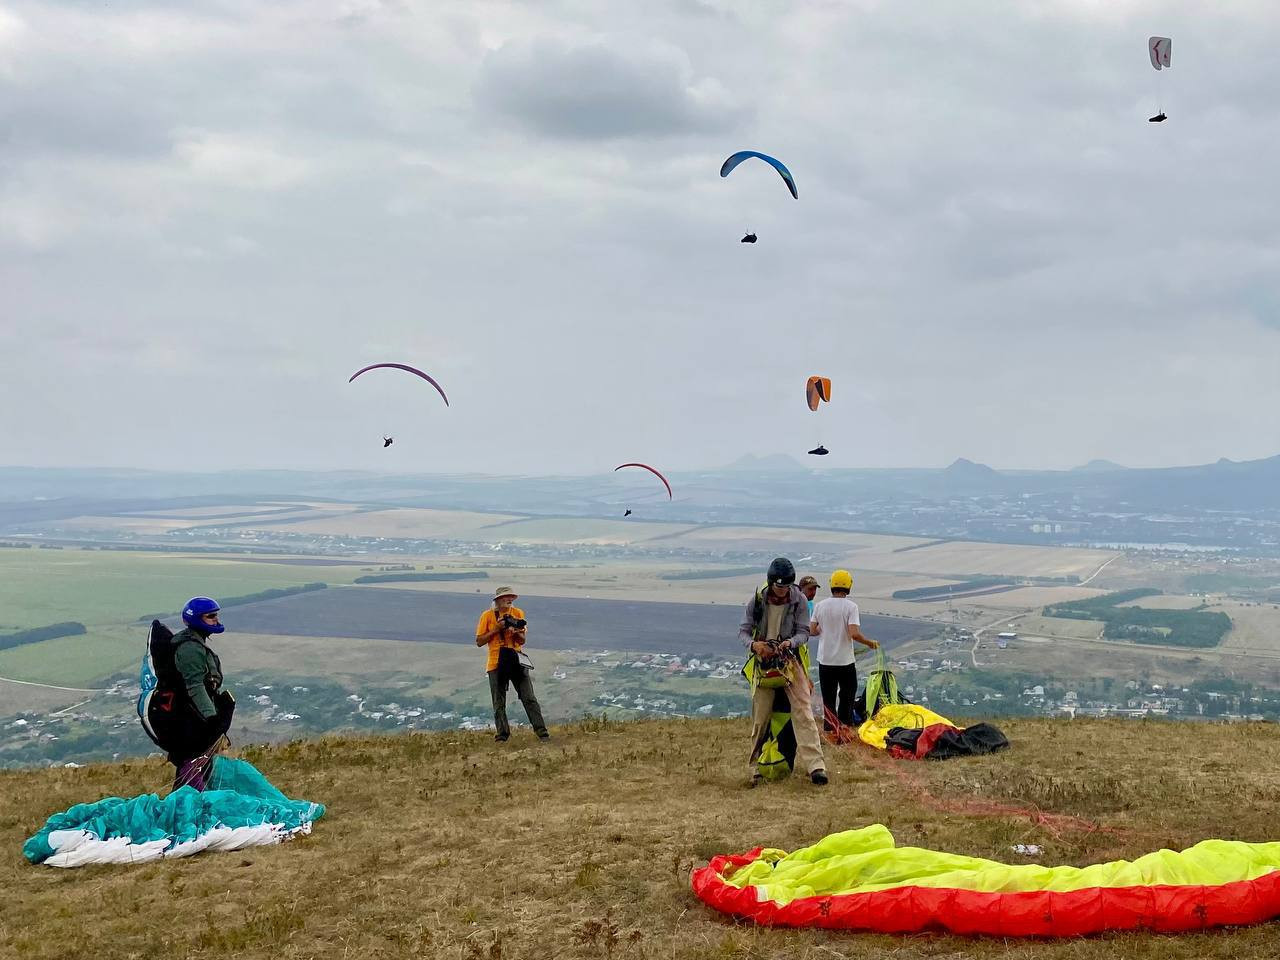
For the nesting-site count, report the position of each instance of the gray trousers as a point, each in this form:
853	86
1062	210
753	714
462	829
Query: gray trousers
519	678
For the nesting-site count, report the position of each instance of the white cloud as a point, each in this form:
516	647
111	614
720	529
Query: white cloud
993	253
603	88
238	161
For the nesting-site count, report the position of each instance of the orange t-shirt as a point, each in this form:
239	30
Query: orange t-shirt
507	638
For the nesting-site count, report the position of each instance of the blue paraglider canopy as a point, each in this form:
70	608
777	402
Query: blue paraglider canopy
727	167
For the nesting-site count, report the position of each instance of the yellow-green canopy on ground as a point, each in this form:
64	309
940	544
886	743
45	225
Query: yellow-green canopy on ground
860	879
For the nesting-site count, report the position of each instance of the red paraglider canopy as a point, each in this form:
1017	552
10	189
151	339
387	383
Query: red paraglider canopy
402	366
645	466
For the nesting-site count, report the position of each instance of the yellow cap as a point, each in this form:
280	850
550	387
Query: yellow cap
842	580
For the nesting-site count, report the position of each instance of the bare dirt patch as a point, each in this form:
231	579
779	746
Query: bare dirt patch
1060	627
1255	628
991	558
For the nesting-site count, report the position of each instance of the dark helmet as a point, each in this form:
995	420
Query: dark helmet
781	571
196	608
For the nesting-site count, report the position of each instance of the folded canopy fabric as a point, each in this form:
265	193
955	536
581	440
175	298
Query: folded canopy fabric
909	715
941	741
860	880
240	809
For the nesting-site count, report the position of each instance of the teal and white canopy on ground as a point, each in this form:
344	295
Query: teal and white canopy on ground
240	808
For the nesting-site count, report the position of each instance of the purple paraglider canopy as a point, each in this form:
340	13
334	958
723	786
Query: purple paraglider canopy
408	369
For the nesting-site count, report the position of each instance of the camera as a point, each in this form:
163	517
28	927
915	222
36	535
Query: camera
513	623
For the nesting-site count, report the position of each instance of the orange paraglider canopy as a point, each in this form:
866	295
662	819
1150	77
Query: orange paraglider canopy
817	390
645	466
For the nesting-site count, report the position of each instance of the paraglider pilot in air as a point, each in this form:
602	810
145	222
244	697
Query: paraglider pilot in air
775	630
1160	49
387	441
503	629
749	238
190	711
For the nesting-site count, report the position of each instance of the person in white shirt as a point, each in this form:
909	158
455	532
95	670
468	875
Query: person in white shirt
837	626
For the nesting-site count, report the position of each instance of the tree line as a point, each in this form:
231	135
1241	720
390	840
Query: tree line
1174	628
240	601
68	628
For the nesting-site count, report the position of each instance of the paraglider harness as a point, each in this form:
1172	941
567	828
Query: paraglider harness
881	689
165	709
773	672
777	746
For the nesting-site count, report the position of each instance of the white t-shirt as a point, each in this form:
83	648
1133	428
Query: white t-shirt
833	616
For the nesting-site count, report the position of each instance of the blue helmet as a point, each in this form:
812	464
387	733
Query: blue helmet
196	608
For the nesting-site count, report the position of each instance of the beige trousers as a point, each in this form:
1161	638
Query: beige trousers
808	741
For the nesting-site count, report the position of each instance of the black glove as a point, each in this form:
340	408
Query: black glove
225	704
217	726
214	727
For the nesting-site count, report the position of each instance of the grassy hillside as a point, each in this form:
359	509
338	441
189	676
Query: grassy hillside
450	846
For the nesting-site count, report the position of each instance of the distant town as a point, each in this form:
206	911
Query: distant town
941	677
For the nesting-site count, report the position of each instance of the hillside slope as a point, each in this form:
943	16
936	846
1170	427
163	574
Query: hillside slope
450	846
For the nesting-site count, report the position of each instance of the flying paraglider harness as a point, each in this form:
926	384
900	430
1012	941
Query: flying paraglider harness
777	753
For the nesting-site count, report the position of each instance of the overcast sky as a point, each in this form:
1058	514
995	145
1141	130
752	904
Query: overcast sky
212	213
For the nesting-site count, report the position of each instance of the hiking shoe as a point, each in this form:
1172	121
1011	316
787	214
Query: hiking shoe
502	738
818	778
756	780
544	737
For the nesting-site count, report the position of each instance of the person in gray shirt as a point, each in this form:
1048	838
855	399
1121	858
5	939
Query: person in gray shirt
775	631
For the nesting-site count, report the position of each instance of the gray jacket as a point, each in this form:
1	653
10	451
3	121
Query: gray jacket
795	619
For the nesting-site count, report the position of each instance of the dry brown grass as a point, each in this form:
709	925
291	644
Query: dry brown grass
450	846
967	557
1254	627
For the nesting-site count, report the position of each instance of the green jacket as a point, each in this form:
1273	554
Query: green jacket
200	668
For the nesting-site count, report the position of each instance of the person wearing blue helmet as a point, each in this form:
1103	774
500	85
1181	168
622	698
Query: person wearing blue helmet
193	710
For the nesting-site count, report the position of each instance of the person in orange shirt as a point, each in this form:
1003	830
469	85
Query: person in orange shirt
503	629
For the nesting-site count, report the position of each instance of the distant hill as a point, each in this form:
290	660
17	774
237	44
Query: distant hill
751	488
967	468
1225	485
967	475
1098	466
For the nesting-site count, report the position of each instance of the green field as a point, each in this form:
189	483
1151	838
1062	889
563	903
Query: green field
107	591
83	661
95	587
